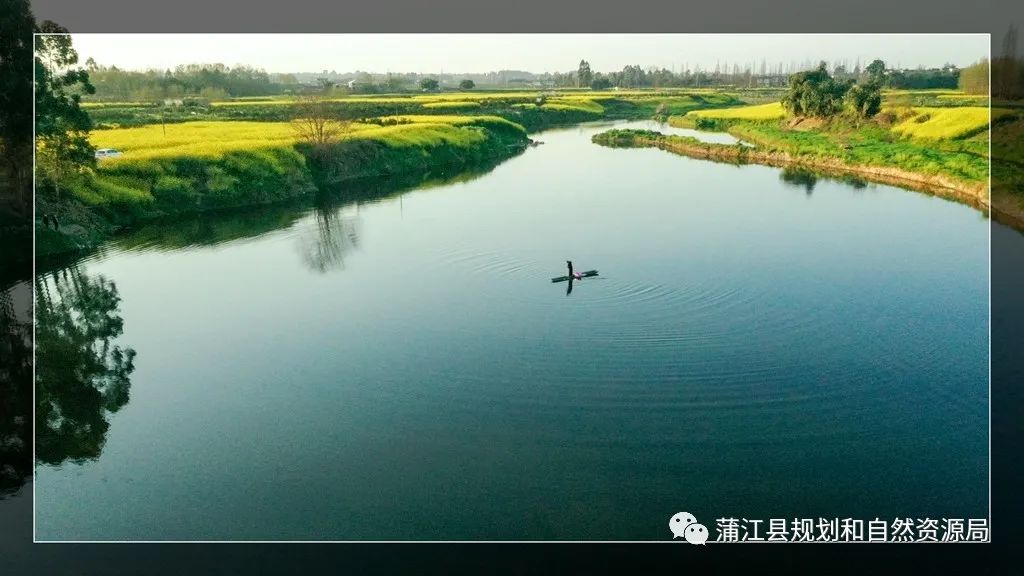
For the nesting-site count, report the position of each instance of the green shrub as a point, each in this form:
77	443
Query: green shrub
175	193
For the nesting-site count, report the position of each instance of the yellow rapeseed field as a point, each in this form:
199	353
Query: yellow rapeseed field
946	123
212	139
760	112
204	139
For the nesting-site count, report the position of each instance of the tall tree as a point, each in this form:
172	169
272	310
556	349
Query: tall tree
326	84
584	75
16	27
317	122
815	93
62	125
865	100
876	71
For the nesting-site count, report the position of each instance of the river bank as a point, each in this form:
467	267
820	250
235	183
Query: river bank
972	192
192	159
204	173
380	315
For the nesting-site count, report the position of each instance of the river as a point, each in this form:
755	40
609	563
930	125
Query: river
758	344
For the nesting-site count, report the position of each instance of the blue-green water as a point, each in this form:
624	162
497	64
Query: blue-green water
759	344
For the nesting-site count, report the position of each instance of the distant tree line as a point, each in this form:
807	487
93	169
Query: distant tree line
212	81
215	81
946	77
634	76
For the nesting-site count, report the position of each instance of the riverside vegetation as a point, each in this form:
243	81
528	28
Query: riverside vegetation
194	158
193	155
930	140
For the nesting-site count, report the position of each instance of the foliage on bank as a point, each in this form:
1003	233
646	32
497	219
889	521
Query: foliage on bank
957	173
244	169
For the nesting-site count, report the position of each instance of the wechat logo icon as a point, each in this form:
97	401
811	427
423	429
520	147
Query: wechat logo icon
684	525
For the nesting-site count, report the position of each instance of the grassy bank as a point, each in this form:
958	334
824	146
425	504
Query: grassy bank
832	161
203	166
1008	172
939	149
216	155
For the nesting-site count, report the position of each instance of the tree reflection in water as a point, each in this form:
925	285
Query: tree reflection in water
333	233
15	388
81	374
799	178
806	179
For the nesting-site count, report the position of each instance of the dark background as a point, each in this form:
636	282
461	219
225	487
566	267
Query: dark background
19	556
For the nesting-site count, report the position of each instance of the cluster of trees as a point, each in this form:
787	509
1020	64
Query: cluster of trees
747	74
817	93
634	76
364	83
207	80
974	78
359	83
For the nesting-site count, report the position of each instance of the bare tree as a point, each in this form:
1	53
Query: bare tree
317	123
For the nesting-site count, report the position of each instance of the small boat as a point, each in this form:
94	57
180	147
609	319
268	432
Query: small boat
576	276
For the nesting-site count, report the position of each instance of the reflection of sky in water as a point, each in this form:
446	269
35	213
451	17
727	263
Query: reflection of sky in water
779	350
703	136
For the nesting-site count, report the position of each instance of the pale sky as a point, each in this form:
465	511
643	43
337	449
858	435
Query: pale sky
477	53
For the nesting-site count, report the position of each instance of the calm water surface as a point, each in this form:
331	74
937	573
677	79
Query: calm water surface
759	344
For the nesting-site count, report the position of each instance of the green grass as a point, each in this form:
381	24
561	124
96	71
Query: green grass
949	140
870	145
1008	139
199	166
184	159
859	154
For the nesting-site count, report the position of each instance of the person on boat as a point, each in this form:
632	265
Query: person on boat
572	274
